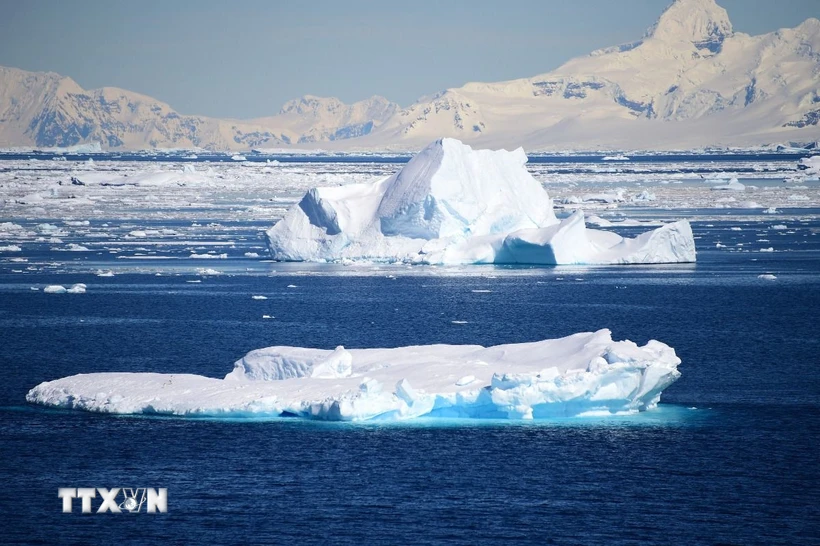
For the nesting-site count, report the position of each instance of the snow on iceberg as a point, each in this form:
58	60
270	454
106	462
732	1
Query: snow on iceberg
579	375
454	205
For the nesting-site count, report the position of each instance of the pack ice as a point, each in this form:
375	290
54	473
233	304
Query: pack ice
454	205
579	375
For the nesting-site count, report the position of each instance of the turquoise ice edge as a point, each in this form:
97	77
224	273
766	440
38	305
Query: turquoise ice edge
663	415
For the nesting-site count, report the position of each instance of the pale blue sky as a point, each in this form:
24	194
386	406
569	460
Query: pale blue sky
244	59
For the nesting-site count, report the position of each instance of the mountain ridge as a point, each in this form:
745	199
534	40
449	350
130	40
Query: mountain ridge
690	81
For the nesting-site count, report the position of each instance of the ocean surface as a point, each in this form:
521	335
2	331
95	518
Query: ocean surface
729	457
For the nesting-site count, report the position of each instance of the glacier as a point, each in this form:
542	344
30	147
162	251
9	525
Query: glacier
585	374
452	205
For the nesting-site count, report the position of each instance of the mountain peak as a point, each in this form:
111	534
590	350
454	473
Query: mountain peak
702	22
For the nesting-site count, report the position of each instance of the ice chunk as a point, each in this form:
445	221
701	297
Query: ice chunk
338	364
810	165
580	374
570	242
74	247
767	277
54	289
454	205
732	185
644	197
209	256
78	288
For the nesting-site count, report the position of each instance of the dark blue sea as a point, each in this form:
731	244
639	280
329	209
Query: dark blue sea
732	455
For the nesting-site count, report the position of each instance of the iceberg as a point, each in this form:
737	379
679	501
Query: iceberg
583	374
451	204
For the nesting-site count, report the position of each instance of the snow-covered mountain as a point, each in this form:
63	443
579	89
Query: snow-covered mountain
319	119
46	109
691	81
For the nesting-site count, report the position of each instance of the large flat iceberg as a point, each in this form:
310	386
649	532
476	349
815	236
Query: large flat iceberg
454	205
579	375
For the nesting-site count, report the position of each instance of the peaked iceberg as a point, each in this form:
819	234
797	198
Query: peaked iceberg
454	205
579	375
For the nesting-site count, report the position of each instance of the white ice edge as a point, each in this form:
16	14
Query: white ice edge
579	375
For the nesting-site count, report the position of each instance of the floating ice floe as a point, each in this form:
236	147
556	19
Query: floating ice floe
78	288
580	375
454	205
209	256
74	247
767	277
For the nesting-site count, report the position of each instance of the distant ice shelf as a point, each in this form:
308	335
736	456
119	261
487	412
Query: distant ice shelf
586	374
454	205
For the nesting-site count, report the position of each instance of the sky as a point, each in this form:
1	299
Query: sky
244	59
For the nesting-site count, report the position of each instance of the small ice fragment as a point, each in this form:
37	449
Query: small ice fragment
259	297
54	289
338	364
466	380
458	321
74	247
370	386
767	277
208	256
406	392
